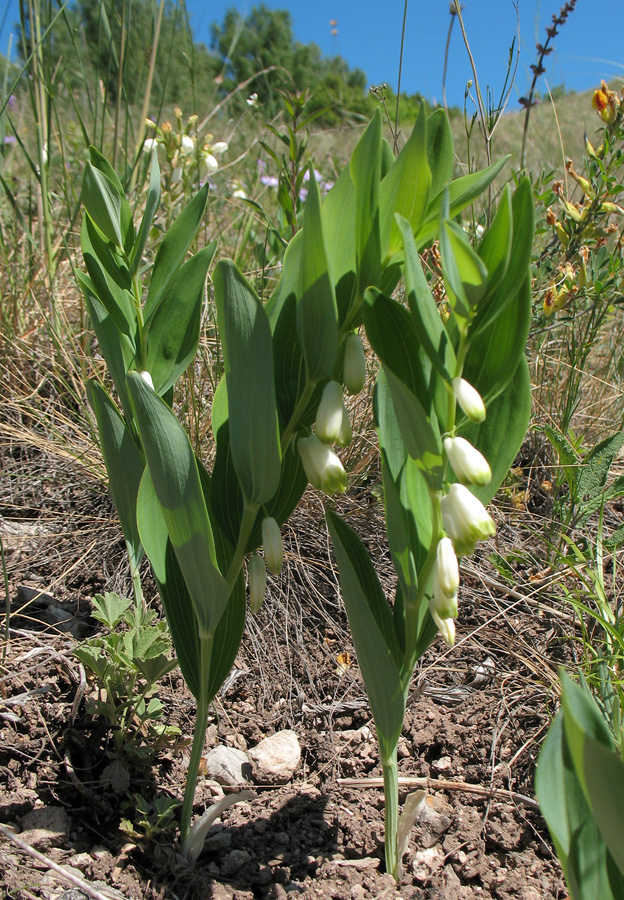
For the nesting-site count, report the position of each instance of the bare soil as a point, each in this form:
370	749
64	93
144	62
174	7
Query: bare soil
475	720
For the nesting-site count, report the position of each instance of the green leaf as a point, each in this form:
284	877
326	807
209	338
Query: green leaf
248	357
115	347
582	721
110	277
317	312
103	203
498	296
499	437
596	465
495	248
173	329
365	168
465	274
461	193
151	205
494	355
124	465
173	248
338	213
604	781
426	319
102	164
176	482
109	608
372	628
405	189
176	599
417	431
560	797
392	336
440	150
406	496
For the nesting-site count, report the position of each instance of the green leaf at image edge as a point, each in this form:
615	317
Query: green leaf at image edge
372	627
175	477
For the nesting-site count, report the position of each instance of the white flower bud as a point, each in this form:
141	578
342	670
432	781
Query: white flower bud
272	543
147	378
322	467
447	568
470	466
332	419
446	627
257	579
150	144
469	399
187	144
210	163
465	519
354	368
218	148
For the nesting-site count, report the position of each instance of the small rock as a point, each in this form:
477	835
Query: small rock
45	827
435	818
276	757
218	842
426	862
442	766
82	861
54	888
234	862
228	766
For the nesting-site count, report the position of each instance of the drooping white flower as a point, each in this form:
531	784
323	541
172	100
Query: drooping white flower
447	567
150	144
446	627
218	148
354	367
465	519
272	543
322	467
210	163
469	399
257	579
187	145
332	418
469	464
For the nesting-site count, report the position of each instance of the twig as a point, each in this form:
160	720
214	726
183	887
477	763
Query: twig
80	883
538	69
418	781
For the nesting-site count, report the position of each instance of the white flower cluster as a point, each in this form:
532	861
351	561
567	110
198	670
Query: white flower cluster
464	517
322	466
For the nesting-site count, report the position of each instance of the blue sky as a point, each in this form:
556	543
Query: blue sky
588	48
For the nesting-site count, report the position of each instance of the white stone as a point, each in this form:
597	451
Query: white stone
228	765
276	757
426	862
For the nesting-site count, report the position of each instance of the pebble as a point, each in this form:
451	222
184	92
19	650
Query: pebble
228	765
234	862
45	827
276	757
426	862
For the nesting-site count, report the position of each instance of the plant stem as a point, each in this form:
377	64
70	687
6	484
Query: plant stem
391	796
199	736
204	699
304	399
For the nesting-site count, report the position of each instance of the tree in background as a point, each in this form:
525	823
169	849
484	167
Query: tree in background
264	40
86	42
